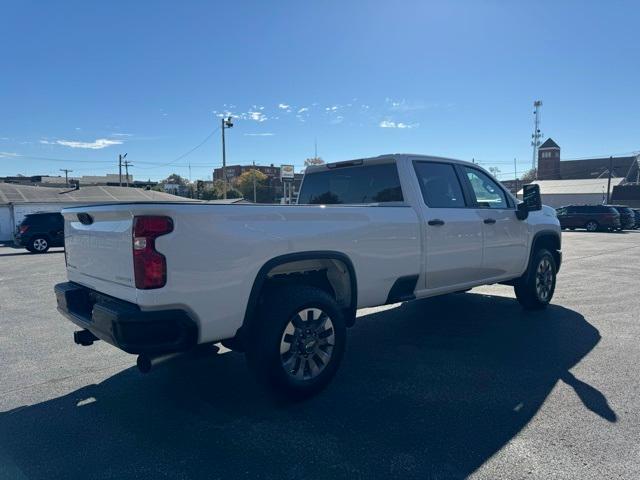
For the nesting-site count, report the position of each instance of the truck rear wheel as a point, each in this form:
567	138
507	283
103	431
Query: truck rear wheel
535	289
298	341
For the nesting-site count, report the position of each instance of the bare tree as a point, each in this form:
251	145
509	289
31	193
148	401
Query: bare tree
529	176
313	161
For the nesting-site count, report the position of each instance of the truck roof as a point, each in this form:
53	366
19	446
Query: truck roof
399	157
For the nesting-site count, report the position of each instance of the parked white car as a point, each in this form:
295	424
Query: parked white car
283	283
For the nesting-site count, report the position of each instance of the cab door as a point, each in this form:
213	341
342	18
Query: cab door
504	236
452	231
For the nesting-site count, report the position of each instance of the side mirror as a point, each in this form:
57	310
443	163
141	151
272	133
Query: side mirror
531	201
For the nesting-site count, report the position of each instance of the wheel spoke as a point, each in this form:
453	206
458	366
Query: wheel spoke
326	333
297	321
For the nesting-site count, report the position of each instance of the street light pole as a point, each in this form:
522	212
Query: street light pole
66	175
226	123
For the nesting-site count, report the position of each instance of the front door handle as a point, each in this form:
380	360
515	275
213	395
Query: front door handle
436	221
490	220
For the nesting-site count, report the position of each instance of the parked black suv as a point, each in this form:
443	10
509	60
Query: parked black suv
627	217
591	217
40	231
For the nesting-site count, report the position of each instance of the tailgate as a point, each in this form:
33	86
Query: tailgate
98	244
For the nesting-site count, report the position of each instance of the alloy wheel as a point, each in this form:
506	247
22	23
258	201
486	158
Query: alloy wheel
40	244
307	343
544	280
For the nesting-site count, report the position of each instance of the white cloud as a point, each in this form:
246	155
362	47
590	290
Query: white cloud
268	134
404	106
332	108
122	134
257	116
303	109
337	120
95	145
284	106
390	124
47	142
9	154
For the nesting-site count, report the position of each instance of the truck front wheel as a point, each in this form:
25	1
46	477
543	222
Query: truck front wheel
535	289
298	340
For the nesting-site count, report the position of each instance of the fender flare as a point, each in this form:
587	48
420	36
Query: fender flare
542	234
261	277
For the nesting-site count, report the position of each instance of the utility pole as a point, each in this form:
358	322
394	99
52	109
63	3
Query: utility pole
66	175
120	158
254	182
127	164
515	174
609	180
536	135
226	123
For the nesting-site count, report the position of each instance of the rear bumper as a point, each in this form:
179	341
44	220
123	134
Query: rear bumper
123	324
18	241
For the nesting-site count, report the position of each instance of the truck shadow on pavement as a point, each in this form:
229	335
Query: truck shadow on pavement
430	389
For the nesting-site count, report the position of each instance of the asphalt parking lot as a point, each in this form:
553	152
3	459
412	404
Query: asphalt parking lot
464	385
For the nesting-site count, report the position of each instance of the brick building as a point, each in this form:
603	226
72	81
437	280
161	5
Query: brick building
585	181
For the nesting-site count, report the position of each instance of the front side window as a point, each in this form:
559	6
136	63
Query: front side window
486	191
352	185
439	184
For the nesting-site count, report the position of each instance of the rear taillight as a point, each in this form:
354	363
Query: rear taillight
150	266
23	228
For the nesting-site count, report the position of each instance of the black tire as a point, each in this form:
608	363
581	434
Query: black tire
534	290
38	245
592	226
279	315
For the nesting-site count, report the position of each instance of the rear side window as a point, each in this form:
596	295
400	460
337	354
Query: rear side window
439	184
352	185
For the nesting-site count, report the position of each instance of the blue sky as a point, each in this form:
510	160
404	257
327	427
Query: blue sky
84	81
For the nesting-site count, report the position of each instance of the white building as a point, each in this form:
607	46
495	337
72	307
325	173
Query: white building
582	191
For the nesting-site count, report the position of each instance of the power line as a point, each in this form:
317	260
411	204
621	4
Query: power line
186	153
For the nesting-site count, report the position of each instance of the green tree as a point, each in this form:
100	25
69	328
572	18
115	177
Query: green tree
245	184
175	178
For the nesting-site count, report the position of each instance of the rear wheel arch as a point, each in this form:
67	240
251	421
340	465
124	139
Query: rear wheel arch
276	271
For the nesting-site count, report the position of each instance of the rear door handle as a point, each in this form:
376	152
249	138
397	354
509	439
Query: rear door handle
436	221
490	220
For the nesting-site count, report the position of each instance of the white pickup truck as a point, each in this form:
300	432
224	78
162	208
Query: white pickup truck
283	282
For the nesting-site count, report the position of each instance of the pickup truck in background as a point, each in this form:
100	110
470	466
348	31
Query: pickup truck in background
282	282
